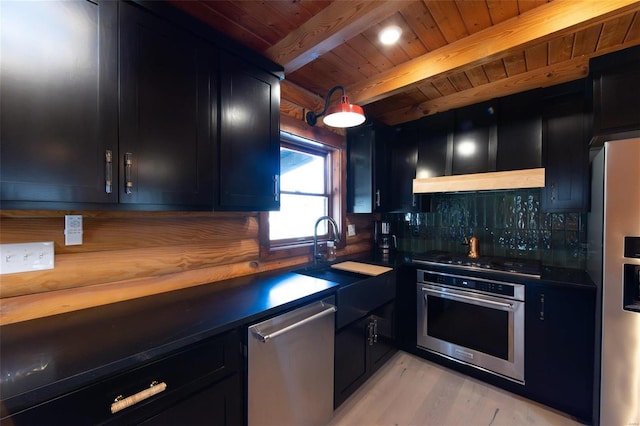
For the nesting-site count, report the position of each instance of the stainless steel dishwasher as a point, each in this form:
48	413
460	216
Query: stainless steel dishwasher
290	367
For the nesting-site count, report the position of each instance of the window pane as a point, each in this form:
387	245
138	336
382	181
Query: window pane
297	216
301	172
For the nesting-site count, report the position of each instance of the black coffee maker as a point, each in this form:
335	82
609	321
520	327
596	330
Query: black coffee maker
385	242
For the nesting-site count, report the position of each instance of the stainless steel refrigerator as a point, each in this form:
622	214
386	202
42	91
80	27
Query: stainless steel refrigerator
614	265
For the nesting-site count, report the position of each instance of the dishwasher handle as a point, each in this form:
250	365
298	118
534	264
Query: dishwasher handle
266	337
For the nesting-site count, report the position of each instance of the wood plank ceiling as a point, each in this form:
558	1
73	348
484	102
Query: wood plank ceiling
451	53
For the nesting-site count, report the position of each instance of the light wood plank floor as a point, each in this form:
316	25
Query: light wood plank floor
409	390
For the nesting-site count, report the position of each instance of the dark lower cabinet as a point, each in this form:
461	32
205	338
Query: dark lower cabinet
203	386
217	404
361	348
58	97
559	347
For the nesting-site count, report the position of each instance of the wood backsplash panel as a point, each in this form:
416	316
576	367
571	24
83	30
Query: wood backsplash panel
134	254
103	232
84	269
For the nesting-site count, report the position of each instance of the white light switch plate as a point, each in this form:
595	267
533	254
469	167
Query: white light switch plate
26	257
73	229
351	230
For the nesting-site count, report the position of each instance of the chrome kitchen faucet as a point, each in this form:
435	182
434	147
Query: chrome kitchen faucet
336	236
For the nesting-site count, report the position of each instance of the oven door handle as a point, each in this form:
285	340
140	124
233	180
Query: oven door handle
475	300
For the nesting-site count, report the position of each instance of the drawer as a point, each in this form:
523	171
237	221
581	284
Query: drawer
174	377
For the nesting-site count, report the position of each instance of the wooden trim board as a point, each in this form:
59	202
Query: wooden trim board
528	178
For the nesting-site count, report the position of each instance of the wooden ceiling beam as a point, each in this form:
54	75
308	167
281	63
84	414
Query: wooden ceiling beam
301	96
551	75
338	22
540	24
547	76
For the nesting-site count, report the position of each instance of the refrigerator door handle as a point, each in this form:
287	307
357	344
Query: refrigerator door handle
266	337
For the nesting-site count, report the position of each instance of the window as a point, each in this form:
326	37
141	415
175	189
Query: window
307	177
304	194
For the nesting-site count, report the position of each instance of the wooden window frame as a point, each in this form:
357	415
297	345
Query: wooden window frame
292	130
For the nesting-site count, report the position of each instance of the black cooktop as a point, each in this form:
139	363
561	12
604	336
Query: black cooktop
507	265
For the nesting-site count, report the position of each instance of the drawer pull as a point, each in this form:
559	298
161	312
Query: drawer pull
122	403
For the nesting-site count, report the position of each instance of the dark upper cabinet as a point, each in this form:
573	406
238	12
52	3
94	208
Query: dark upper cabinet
368	168
165	147
616	94
403	154
474	139
519	143
58	96
565	149
248	151
132	111
435	138
560	337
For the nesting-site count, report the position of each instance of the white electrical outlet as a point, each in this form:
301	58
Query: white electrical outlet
73	229
351	230
26	257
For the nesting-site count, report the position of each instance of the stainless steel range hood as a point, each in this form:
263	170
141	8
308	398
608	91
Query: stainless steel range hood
528	178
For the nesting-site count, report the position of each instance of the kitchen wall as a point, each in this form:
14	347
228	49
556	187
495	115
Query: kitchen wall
507	223
135	254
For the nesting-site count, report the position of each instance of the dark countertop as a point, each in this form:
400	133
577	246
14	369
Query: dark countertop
50	356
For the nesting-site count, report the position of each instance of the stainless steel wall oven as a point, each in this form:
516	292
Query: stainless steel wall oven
476	321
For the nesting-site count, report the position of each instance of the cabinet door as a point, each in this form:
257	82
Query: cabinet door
616	92
165	113
367	185
351	359
474	139
384	341
219	404
403	152
566	154
249	137
435	140
559	347
58	97
519	143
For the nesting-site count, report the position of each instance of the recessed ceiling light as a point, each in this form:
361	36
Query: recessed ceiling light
390	35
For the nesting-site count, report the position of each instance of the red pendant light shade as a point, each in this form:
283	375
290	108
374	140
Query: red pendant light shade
342	115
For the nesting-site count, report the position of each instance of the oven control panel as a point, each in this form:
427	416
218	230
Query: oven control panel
478	284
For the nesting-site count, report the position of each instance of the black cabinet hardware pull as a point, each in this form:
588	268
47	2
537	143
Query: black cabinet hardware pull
370	332
375	331
541	306
276	193
108	171
128	164
378	198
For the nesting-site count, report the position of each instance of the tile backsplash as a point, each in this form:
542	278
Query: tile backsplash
507	223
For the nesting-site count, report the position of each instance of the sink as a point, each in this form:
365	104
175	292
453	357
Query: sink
326	272
358	293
